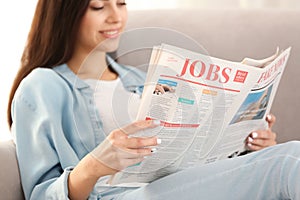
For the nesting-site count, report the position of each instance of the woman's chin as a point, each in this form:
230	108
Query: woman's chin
108	45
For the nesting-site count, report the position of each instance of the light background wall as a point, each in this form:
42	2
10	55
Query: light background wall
15	20
215	4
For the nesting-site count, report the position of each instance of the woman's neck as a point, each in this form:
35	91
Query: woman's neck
91	66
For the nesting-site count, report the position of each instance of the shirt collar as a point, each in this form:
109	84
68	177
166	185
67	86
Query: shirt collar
131	78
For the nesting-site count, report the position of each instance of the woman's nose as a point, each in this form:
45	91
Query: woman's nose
115	15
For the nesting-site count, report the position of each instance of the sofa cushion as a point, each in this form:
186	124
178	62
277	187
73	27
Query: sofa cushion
10	184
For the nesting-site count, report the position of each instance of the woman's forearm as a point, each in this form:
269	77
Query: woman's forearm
84	176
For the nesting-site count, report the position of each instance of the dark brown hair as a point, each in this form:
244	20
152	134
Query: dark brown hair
51	38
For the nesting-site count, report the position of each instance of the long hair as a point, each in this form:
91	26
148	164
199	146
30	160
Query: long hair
51	38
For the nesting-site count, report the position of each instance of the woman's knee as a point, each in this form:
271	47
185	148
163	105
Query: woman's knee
291	147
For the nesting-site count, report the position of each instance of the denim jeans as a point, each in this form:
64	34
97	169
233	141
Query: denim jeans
272	173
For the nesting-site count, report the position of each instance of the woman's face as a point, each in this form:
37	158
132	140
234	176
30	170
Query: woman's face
102	25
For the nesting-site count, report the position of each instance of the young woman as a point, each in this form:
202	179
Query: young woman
68	141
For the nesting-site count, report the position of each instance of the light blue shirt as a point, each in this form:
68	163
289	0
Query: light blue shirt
55	124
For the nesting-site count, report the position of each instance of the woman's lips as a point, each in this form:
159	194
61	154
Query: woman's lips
110	34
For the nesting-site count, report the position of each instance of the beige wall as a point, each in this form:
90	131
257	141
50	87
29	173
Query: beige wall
246	4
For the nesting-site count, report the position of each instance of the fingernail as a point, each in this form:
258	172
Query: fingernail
269	117
249	144
254	135
158	141
156	122
153	150
250	139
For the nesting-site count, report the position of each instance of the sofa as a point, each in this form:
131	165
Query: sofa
228	34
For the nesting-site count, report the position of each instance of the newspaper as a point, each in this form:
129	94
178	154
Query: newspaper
206	110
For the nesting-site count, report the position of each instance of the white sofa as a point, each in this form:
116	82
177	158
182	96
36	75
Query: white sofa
228	34
10	184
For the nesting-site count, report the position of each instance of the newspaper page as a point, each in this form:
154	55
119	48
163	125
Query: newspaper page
252	112
200	103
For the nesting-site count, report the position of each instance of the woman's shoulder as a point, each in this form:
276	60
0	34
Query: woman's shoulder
42	74
41	79
42	84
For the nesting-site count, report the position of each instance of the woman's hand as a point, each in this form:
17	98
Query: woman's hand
115	153
119	150
262	138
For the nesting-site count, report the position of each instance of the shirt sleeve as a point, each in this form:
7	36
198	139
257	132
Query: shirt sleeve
45	155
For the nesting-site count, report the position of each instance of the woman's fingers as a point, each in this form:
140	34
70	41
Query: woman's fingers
137	142
261	139
119	150
139	126
271	119
120	138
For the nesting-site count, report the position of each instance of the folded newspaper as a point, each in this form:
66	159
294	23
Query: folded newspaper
206	107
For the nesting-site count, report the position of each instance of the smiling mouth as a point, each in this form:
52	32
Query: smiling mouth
110	34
